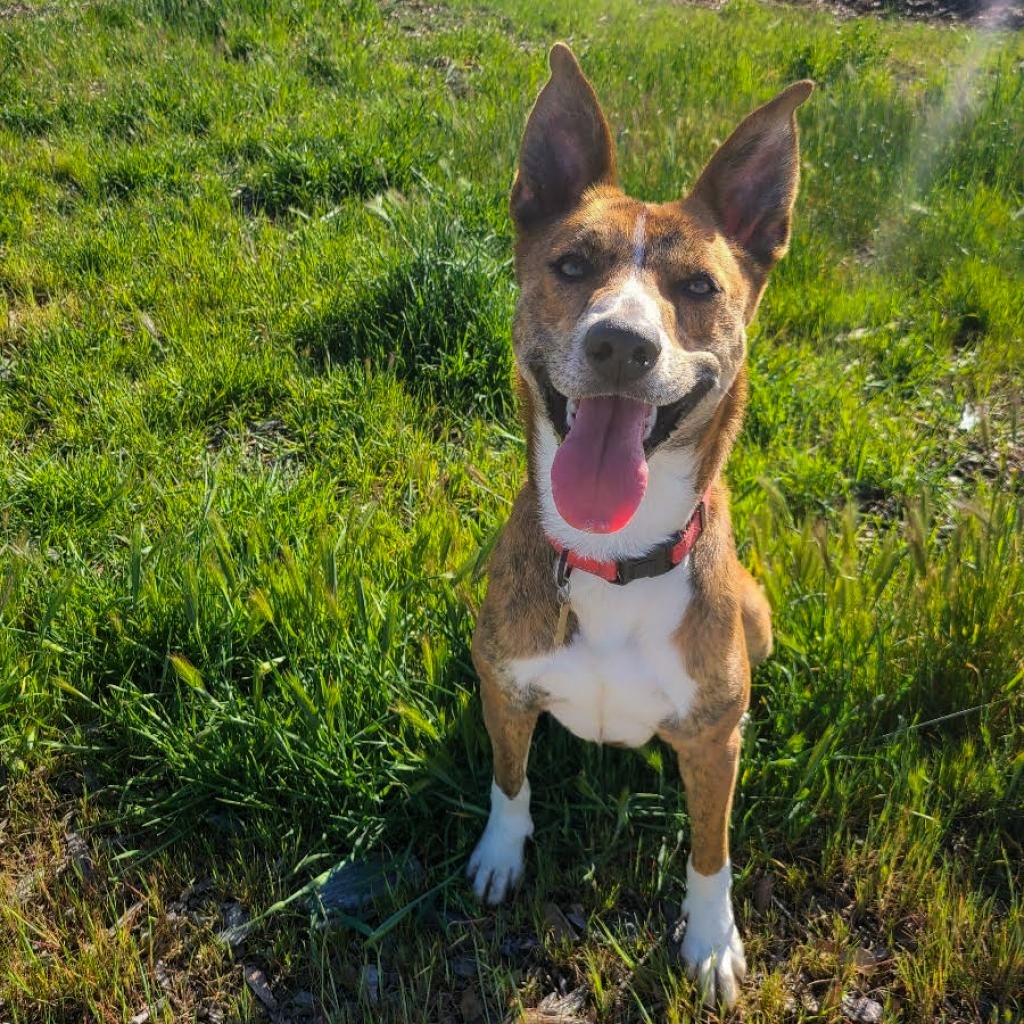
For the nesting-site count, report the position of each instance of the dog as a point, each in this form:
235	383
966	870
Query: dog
616	601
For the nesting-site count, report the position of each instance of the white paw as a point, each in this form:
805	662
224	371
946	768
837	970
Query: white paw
712	947
496	866
497	862
718	966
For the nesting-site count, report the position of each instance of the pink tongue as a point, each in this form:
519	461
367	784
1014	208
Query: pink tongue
599	474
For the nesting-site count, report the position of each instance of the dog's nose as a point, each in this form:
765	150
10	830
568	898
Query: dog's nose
618	353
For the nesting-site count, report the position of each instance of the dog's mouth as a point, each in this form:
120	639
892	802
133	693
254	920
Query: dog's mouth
659	420
599	474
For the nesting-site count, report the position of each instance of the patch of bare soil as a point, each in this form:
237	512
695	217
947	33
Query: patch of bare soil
1000	14
981	13
24	10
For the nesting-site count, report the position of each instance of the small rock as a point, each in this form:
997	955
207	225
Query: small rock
571	1001
866	960
558	924
303	1001
470	1006
128	919
354	887
763	891
862	1010
147	1012
256	980
577	917
234	915
371	979
192	896
517	946
76	853
559	1009
464	967
162	976
236	924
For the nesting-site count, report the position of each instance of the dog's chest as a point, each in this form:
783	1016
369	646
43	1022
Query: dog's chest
622	674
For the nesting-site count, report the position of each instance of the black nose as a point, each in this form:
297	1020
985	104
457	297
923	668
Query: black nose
620	354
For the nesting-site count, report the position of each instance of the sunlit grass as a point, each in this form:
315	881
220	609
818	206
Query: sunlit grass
255	305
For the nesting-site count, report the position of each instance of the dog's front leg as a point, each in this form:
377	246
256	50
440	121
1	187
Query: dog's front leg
497	862
711	947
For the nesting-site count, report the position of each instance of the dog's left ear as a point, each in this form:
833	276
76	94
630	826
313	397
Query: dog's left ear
750	184
566	147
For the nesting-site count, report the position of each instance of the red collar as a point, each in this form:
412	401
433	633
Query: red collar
659	560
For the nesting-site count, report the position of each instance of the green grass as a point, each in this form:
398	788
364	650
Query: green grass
255	304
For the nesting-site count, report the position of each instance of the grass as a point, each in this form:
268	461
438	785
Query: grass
255	303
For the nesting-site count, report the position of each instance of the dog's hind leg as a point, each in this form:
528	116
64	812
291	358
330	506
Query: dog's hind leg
757	617
497	862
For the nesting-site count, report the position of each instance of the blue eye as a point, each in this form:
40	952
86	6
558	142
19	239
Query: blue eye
700	286
572	267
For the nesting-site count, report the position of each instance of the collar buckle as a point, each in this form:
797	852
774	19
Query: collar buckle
656	563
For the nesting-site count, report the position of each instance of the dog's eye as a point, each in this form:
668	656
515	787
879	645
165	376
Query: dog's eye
572	267
700	286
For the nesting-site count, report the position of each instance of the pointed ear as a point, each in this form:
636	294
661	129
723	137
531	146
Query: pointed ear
750	183
566	147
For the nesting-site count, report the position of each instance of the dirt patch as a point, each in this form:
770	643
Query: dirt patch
97	926
980	13
28	10
990	439
1000	14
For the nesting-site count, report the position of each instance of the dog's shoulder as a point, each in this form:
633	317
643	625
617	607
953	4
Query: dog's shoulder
520	611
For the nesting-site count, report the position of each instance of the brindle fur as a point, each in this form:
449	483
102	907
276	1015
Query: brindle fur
727	625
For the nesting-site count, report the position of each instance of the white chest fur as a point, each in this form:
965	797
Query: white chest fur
622	674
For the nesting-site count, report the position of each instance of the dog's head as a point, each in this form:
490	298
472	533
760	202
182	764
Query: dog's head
631	321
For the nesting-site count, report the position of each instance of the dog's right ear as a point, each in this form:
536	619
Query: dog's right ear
566	147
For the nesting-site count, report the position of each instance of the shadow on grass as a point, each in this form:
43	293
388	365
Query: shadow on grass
303	175
436	307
